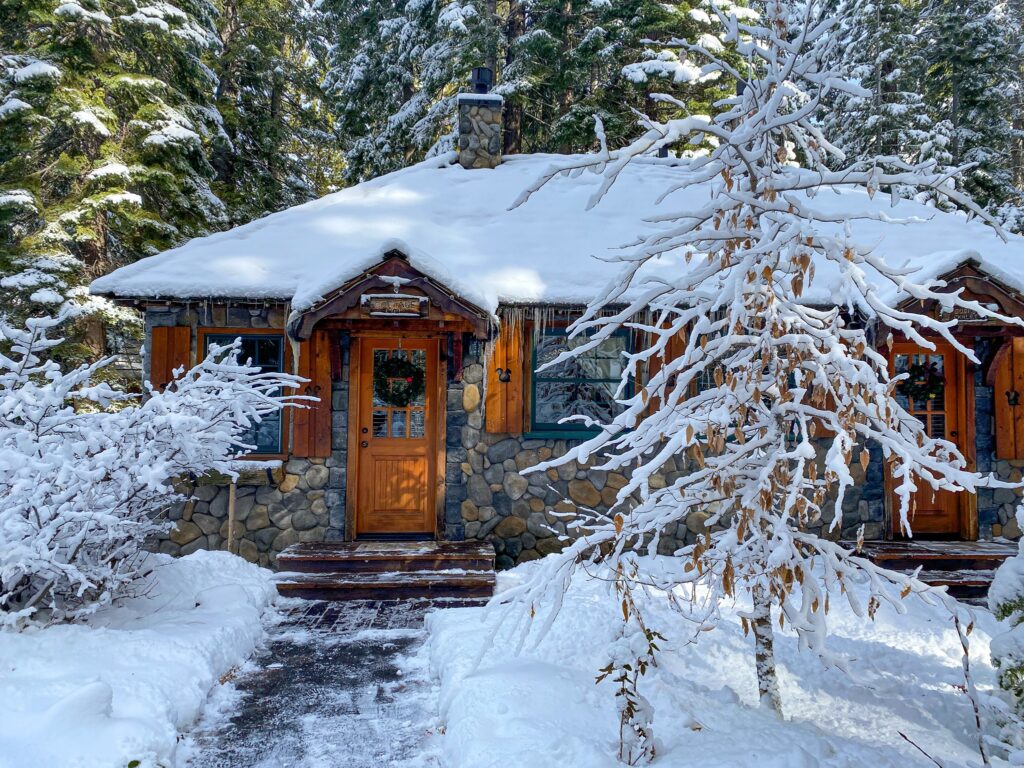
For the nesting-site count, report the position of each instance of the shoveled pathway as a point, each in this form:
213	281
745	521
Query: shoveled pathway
336	686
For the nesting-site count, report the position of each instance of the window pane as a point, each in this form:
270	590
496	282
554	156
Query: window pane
266	353
380	423
398	417
581	386
416	424
603	362
557	399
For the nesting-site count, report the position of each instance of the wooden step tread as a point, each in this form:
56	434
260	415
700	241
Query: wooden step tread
343	579
977	578
388	550
389	585
880	551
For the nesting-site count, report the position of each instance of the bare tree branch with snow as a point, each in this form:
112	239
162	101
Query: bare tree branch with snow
777	392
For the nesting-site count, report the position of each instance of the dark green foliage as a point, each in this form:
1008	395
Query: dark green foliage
558	64
127	128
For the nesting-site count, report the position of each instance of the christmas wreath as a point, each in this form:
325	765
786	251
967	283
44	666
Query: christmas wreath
923	382
397	381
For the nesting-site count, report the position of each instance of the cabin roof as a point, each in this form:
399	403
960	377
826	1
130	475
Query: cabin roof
461	228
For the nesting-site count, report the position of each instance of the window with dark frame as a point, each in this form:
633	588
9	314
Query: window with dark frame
266	352
584	385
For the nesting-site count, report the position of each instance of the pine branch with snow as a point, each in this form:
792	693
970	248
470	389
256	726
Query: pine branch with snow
86	470
774	397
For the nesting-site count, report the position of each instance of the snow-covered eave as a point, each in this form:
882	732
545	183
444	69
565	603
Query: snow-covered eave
143	300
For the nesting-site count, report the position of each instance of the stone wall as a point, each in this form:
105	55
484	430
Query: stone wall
487	497
521	515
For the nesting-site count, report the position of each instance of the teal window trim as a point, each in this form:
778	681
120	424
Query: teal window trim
554	430
273	363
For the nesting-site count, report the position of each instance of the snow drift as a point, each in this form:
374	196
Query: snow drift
123	685
543	709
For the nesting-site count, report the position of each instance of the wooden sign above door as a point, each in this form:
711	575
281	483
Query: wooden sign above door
394	305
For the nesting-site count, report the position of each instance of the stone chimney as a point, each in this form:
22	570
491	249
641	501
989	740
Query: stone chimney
480	123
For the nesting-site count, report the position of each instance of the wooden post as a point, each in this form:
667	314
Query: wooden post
232	490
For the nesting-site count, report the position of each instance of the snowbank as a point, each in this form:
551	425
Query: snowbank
461	228
544	709
122	686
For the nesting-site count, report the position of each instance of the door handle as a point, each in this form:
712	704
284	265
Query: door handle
953	433
364	444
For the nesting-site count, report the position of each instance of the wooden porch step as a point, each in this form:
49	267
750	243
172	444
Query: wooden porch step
939	555
396	585
965	568
386	556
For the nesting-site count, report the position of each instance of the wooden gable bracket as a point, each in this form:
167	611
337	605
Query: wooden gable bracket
394	264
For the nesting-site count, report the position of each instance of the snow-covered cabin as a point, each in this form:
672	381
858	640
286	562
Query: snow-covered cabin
419	305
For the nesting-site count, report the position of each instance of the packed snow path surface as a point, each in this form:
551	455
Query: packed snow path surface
337	685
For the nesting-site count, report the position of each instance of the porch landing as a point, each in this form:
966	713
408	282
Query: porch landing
966	568
388	570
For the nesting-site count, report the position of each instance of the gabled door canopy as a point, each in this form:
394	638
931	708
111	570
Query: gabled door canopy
380	279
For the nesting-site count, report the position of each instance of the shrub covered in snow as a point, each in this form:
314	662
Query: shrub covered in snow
1006	599
85	470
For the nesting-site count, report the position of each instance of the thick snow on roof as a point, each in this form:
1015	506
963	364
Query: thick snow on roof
459	227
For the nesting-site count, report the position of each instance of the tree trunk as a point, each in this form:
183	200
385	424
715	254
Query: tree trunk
512	128
764	651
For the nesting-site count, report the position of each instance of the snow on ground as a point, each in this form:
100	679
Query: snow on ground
544	708
463	228
122	686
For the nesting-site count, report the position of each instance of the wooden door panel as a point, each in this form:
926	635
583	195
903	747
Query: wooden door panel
934	513
396	433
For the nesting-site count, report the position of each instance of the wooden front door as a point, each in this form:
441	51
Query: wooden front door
396	437
938	401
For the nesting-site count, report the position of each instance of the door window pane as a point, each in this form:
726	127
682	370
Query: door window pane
380	423
398	423
399	393
416	423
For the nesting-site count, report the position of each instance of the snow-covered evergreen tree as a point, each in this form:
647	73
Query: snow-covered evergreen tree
398	65
394	74
791	393
880	52
105	110
969	48
279	148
